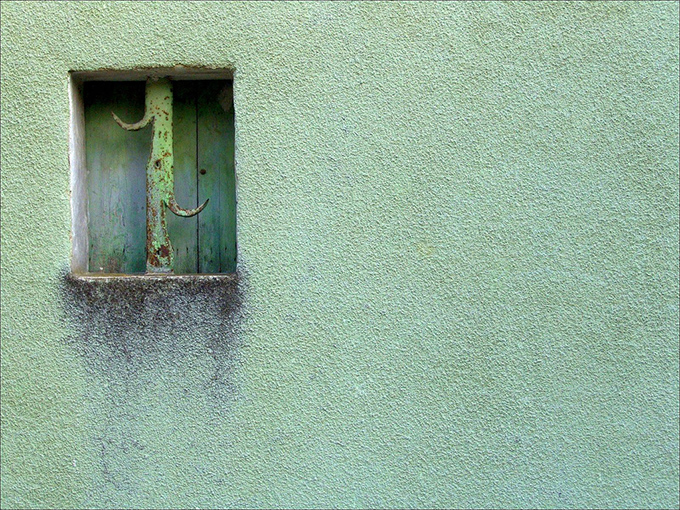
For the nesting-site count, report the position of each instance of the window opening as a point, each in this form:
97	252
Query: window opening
161	191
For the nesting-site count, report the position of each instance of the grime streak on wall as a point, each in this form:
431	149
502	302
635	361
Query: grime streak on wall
156	347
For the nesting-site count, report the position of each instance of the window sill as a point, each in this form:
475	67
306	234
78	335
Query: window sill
103	277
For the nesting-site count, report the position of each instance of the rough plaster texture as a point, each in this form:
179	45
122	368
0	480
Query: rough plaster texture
458	249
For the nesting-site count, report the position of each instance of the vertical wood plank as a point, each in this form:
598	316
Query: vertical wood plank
216	179
183	232
228	256
116	162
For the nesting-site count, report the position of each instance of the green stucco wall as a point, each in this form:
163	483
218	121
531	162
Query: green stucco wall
458	264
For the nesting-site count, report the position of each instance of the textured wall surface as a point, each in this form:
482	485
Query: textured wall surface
458	264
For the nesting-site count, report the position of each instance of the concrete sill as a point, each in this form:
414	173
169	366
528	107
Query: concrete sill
104	277
121	287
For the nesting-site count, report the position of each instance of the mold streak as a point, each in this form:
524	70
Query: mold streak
160	350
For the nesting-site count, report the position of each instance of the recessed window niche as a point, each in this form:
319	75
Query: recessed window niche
147	149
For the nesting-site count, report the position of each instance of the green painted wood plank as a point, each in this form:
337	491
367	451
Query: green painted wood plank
116	161
216	179
183	232
228	257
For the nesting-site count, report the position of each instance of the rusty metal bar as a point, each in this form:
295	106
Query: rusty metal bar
160	177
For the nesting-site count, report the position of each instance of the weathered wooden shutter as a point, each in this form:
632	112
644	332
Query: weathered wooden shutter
204	168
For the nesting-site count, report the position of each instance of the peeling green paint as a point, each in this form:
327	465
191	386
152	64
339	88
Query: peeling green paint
160	177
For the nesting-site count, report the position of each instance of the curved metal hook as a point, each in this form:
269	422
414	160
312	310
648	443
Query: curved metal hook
132	127
186	213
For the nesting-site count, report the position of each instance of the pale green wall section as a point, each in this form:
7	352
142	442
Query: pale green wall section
458	235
